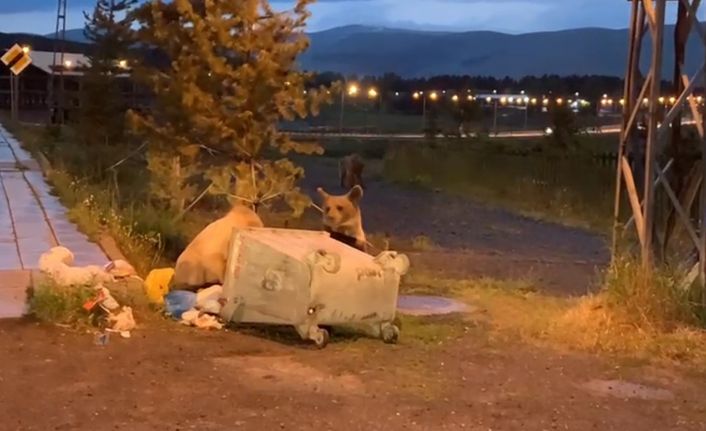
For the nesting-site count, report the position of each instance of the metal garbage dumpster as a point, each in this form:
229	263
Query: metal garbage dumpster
306	279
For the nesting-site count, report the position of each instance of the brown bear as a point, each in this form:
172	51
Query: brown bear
203	262
342	217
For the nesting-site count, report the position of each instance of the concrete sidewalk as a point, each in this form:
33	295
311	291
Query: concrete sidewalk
31	222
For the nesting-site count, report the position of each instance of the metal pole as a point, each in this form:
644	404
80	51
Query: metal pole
343	100
495	117
13	115
702	254
17	97
658	45
379	112
633	44
424	112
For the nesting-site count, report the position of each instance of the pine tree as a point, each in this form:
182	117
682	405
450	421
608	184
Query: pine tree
231	78
102	113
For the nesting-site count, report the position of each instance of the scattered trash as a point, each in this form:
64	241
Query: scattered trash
157	284
124	334
104	298
199	319
56	264
102	339
120	269
209	299
122	321
179	301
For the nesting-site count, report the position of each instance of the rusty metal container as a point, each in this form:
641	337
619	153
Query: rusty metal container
306	279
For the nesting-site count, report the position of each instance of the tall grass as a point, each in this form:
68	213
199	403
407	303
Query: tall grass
569	190
652	300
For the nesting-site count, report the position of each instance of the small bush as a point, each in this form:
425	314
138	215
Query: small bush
60	304
650	300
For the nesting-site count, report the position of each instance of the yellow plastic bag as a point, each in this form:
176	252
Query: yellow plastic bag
157	284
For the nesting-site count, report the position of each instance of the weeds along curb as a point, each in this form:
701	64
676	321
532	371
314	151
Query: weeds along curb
105	241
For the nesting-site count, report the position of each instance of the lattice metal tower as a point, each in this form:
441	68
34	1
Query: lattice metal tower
56	90
662	173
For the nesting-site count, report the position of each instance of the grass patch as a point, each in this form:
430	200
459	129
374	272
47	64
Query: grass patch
515	175
513	311
432	330
52	303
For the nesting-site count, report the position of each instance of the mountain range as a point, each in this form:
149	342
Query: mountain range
368	50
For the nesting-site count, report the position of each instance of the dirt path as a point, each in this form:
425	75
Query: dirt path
168	377
471	239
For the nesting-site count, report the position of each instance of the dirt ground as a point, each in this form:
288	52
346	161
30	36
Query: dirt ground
169	377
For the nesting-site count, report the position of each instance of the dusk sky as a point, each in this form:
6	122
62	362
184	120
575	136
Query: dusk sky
512	16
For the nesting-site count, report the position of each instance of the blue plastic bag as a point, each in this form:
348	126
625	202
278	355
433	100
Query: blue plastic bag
177	302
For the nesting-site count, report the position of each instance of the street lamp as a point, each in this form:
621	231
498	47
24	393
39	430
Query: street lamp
374	95
433	96
416	96
352	91
454	98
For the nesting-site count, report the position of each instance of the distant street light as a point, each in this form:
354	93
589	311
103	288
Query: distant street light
433	96
377	97
352	91
416	96
454	98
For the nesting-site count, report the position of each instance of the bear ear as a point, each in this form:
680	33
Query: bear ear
322	193
355	194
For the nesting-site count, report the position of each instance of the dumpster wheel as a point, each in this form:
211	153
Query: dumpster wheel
390	333
321	338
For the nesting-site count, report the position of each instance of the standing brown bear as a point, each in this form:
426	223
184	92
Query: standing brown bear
350	170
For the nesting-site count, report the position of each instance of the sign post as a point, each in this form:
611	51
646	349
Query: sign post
18	59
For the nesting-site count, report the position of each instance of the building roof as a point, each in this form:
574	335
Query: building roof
44	60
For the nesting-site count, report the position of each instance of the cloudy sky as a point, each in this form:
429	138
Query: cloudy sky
512	16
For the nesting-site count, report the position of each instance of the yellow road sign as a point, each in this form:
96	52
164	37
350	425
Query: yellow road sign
20	58
21	64
11	54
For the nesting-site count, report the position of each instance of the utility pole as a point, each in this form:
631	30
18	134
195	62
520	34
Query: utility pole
56	96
